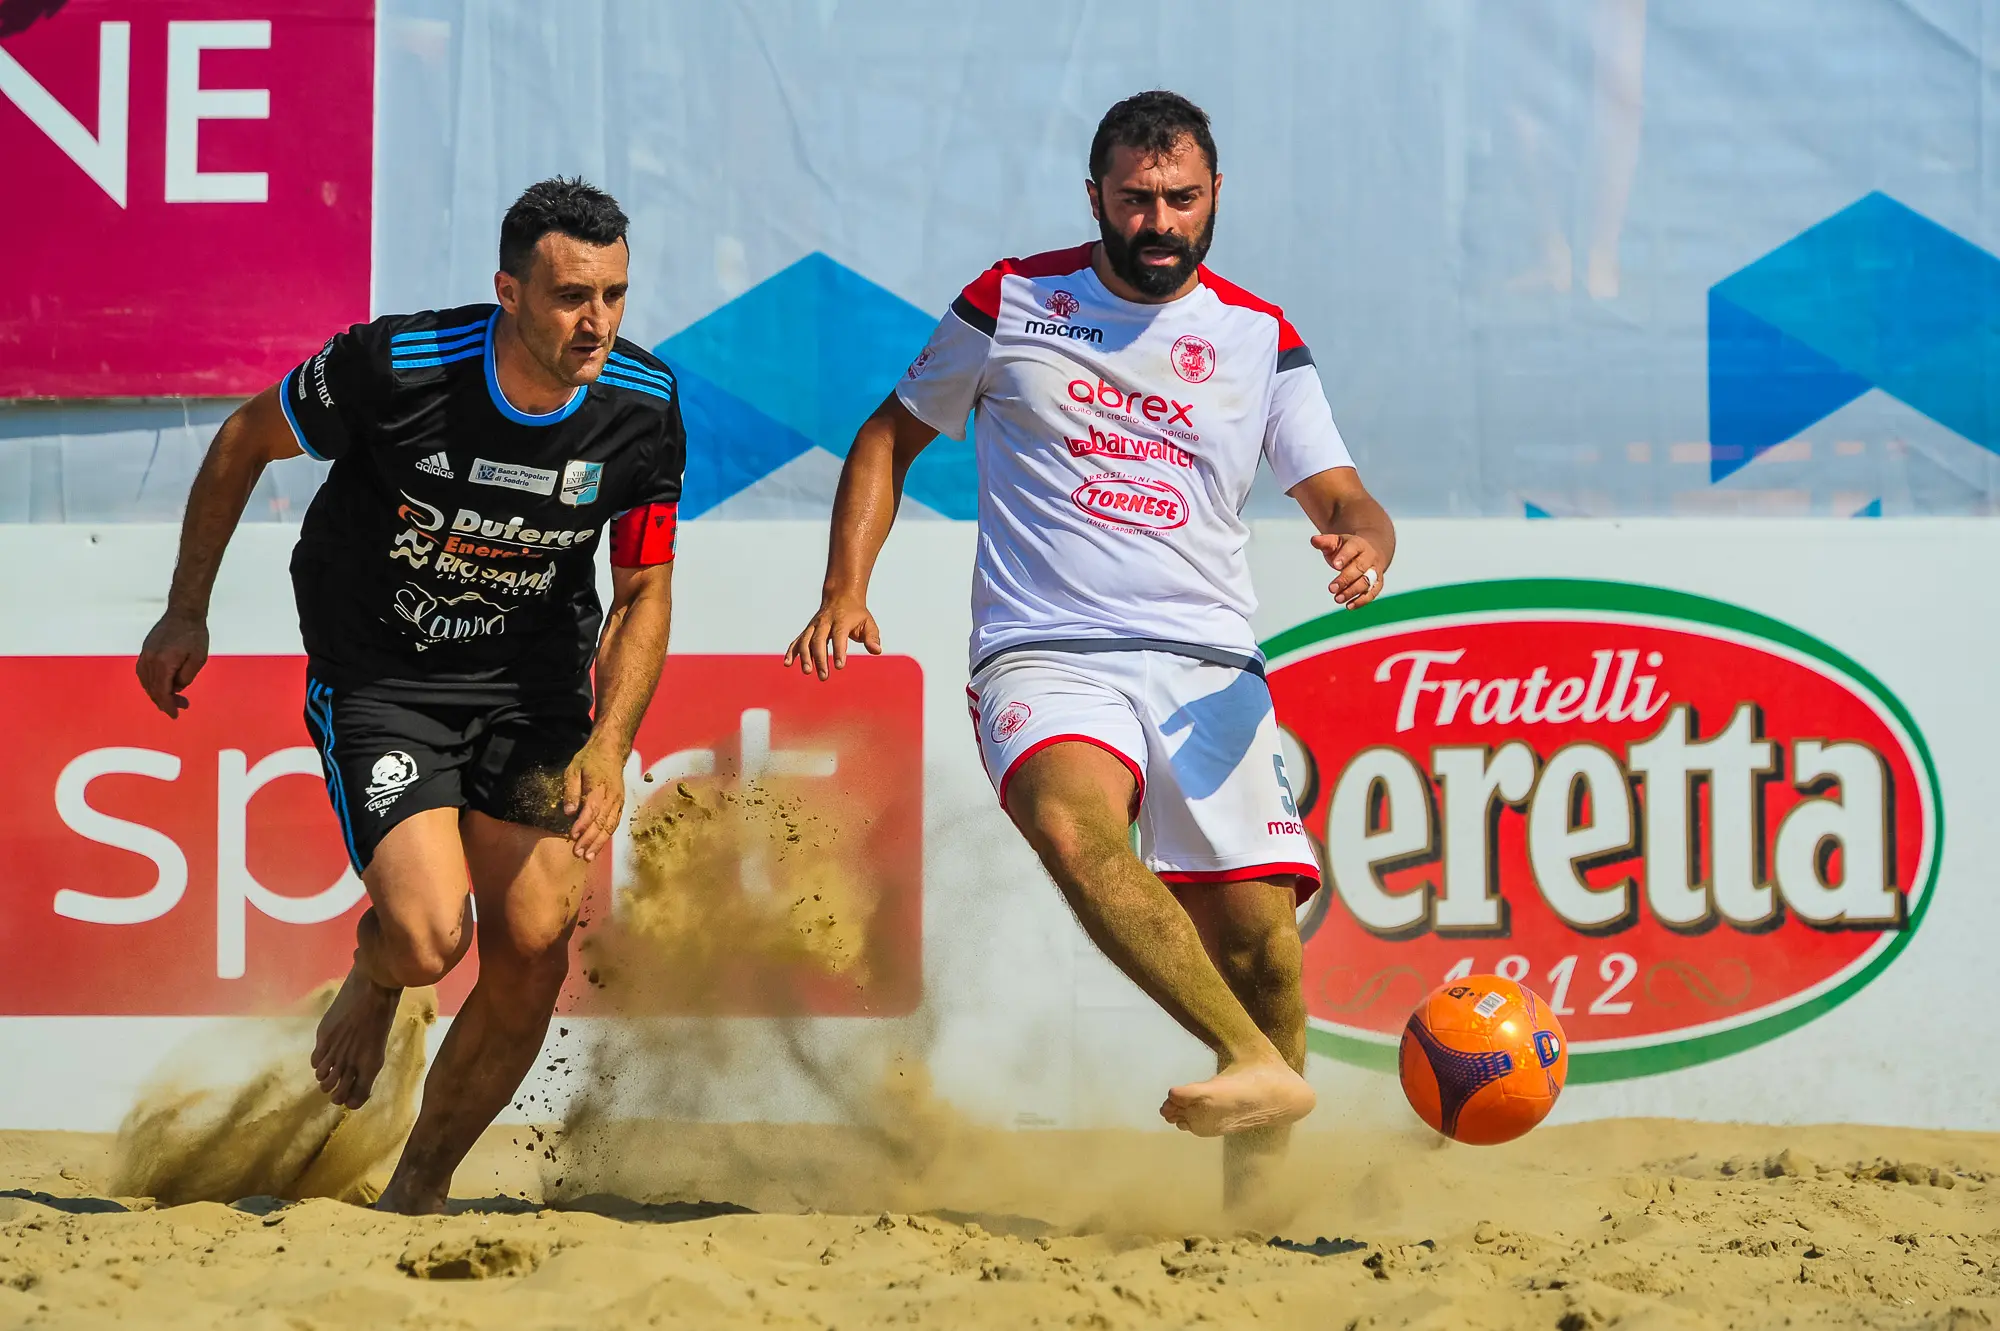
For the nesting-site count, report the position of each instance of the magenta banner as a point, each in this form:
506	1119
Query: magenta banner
188	189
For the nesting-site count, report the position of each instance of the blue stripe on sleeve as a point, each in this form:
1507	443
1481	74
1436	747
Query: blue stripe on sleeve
285	401
637	370
439	344
434	333
636	385
419	361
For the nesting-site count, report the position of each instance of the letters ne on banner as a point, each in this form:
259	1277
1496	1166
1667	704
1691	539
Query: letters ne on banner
197	180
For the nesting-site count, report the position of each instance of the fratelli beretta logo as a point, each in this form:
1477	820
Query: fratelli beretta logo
1690	827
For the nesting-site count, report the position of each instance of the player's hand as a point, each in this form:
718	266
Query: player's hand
1358	567
593	794
823	646
174	653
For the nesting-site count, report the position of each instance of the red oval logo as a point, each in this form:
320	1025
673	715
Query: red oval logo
1010	720
1194	358
1132	501
1691	828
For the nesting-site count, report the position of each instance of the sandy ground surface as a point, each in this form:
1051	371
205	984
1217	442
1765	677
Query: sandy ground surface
905	1213
1630	1223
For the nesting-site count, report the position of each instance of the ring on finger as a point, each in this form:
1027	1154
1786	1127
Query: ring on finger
1373	579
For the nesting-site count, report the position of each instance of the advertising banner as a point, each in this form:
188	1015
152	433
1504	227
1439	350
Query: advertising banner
193	867
189	192
1716	791
1691	827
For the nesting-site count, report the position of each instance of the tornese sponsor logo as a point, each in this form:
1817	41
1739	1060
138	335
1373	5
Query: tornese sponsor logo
1113	398
1132	501
1111	444
1690	827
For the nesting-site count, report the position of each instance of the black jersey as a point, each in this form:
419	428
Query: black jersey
455	540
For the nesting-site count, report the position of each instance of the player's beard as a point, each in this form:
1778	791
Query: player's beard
1149	279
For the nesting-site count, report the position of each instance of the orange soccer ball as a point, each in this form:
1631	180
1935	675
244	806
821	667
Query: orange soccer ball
1483	1059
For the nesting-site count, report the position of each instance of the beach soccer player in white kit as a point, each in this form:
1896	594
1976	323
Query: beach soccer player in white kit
1122	396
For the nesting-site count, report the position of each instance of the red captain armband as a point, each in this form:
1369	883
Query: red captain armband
644	536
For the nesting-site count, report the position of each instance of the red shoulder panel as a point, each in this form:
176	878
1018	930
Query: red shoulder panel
984	292
1230	294
1052	263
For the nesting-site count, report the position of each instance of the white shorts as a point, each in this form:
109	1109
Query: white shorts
1215	804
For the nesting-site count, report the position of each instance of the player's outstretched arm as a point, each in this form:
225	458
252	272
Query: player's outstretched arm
864	508
1356	536
630	652
255	435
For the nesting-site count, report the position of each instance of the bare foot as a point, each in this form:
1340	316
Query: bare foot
1244	1096
353	1036
402	1199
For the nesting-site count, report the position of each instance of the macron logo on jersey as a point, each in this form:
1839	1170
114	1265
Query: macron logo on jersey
1064	306
1074	332
437	464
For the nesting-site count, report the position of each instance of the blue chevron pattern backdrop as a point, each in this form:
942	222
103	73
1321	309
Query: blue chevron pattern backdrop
1876	296
1554	258
795	364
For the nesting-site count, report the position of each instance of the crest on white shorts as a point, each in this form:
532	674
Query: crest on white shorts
1010	720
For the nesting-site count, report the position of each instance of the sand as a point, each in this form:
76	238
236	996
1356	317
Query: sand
236	1113
640	1208
1654	1224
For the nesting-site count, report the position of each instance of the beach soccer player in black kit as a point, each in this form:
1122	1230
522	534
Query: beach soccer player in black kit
445	576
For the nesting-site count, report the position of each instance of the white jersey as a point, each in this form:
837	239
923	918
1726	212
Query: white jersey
1117	443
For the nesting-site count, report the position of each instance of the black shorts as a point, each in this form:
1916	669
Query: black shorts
391	750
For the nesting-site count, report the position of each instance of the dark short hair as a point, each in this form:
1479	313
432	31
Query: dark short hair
571	206
1153	123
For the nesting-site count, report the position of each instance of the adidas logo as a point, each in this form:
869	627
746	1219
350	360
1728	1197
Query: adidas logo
437	464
